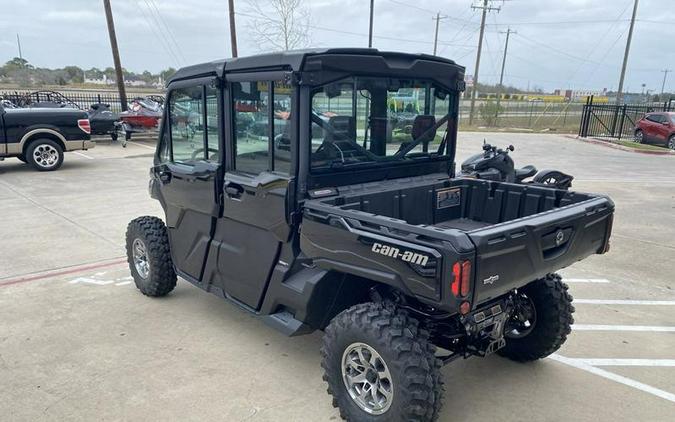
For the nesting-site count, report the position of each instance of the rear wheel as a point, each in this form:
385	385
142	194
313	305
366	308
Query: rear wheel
380	366
21	158
149	256
541	321
44	154
638	137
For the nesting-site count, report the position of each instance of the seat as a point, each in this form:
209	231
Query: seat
525	172
420	130
343	129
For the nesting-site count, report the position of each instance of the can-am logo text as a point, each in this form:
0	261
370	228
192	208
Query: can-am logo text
407	256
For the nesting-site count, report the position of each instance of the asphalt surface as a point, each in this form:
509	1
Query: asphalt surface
78	341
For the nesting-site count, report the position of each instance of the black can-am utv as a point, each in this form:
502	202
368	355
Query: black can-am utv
292	189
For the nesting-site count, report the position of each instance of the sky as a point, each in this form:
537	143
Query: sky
568	44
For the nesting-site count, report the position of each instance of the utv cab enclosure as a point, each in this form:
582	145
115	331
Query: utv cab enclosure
316	189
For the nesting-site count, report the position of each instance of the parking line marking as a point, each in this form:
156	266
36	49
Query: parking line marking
585	280
64	271
643	328
580	364
624	302
82	154
141	145
627	362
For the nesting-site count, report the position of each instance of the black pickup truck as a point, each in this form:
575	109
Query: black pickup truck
39	136
290	190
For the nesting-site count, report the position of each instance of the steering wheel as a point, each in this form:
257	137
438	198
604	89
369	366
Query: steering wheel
196	153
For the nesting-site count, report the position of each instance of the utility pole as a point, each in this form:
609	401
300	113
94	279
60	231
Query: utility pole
619	93
501	76
665	74
116	55
18	43
233	30
485	9
438	21
370	30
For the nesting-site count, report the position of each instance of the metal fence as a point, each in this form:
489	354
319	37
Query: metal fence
616	120
79	99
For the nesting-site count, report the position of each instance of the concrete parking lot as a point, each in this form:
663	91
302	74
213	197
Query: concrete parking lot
78	342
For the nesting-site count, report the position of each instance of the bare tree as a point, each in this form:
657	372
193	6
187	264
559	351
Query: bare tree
279	24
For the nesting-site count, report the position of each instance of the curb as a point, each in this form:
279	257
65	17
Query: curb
609	144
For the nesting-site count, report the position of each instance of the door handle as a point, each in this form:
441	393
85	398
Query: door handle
165	176
234	190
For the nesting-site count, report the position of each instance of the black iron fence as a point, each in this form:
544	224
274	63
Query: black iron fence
616	120
79	99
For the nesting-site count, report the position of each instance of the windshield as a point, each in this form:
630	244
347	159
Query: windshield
367	120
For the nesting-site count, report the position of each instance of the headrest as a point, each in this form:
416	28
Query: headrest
422	124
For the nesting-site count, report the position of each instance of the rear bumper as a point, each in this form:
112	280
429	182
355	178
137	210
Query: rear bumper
75	145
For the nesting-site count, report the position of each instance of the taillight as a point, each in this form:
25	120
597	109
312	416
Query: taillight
84	125
461	279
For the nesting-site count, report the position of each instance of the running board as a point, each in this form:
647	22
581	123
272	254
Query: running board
286	323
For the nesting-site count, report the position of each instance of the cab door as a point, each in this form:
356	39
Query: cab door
189	172
254	225
661	128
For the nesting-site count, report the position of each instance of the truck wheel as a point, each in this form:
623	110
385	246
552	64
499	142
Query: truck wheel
21	158
541	322
149	256
44	154
380	366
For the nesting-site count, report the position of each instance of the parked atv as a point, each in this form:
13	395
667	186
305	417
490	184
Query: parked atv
328	222
496	164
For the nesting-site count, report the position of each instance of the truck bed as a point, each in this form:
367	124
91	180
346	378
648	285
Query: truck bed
512	233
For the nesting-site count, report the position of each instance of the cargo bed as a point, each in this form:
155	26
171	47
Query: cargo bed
513	233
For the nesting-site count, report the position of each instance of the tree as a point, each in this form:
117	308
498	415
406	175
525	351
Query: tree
167	73
489	110
280	24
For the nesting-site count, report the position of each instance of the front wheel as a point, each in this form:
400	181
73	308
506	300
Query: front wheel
638	137
541	320
380	366
149	256
671	142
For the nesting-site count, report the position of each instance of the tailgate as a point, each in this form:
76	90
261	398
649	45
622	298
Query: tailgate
512	254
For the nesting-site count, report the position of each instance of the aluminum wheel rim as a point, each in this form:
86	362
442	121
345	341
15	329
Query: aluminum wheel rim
45	155
671	143
367	378
638	136
140	257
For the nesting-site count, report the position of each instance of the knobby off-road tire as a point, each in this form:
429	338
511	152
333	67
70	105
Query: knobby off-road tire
401	350
149	256
553	308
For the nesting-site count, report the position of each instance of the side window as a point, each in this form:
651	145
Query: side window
262	121
186	120
212	142
282	98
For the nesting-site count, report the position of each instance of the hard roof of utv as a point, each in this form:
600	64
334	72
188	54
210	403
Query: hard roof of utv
296	60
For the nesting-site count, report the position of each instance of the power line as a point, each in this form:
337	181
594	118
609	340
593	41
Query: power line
155	32
360	34
168	30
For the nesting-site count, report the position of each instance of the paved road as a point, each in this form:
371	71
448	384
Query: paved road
78	342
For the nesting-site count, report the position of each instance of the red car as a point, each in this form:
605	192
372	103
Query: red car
656	128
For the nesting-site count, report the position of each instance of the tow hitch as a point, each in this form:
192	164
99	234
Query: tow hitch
485	329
